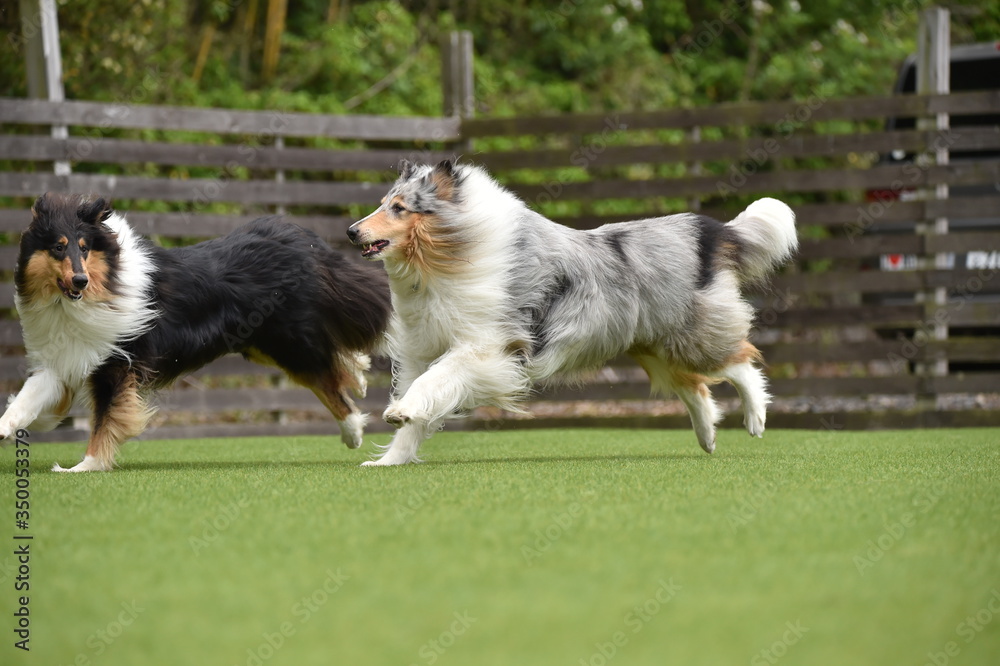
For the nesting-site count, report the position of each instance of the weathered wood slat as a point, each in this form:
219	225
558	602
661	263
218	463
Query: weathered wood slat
794	113
121	151
858	218
873	282
197	190
226	121
860	246
6	293
881	315
892	177
758	150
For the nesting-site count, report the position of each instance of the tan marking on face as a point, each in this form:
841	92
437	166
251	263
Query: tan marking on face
416	238
66	272
40	275
95	265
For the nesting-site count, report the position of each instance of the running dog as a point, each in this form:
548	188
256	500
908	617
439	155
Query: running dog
490	297
108	317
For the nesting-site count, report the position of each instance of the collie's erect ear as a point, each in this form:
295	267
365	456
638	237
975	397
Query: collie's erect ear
405	168
94	211
443	177
41	207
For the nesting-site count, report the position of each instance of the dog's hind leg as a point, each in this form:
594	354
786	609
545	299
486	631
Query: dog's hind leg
334	390
120	413
751	384
693	391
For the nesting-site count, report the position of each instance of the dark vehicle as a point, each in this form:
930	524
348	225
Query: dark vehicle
973	67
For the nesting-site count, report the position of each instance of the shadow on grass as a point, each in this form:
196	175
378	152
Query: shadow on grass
209	465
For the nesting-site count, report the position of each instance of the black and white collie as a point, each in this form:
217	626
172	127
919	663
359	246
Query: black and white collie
108	317
490	297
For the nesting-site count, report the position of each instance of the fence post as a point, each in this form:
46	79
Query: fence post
457	82
934	77
40	27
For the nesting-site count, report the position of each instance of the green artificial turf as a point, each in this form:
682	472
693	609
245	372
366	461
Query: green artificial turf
519	547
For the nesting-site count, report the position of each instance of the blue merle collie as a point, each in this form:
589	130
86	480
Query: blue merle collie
108	317
490	297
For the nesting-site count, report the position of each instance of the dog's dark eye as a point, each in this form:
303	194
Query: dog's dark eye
84	250
59	247
398	209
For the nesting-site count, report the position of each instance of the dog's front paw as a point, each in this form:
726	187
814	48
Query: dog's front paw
88	464
396	417
7	431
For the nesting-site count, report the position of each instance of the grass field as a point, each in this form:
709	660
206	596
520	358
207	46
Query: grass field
520	547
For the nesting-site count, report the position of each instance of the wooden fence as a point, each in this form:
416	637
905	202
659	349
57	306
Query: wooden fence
837	332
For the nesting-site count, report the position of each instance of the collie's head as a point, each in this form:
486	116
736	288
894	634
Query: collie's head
416	224
67	252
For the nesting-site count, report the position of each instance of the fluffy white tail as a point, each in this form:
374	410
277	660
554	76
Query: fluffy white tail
767	229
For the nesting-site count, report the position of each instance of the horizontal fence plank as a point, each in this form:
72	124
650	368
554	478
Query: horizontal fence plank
272	123
757	149
197	190
895	177
741	114
874	281
857	217
121	151
195	225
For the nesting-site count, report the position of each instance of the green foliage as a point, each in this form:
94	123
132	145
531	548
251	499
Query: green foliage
572	55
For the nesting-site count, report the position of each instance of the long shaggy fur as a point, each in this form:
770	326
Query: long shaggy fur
108	317
491	297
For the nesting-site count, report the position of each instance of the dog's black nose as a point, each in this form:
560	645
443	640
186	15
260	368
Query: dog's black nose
352	233
80	281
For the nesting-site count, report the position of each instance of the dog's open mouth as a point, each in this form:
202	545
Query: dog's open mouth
71	294
373	249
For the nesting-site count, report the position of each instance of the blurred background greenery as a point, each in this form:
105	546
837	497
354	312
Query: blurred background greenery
382	57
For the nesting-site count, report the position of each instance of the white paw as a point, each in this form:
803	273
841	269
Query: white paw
390	459
352	430
7	428
709	447
88	464
754	421
396	417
